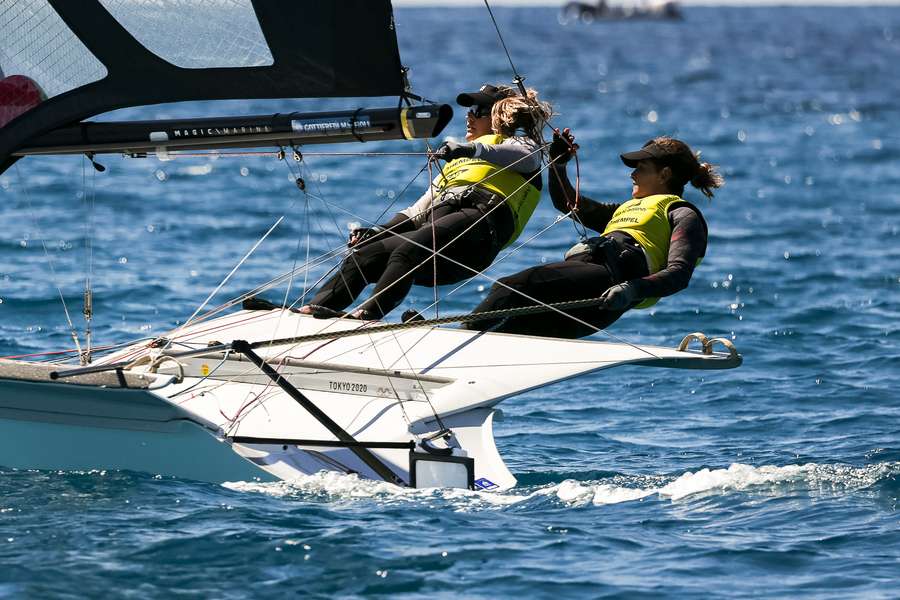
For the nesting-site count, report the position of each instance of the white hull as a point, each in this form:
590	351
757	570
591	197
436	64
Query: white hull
380	388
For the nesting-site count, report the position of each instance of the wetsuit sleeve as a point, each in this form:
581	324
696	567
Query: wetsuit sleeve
592	214
686	246
399	223
418	211
518	153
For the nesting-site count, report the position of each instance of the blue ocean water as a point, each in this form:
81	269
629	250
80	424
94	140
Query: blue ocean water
778	479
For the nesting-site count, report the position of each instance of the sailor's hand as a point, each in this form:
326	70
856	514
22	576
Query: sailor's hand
361	234
563	147
619	297
452	150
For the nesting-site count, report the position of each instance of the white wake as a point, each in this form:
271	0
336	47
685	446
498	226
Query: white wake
736	478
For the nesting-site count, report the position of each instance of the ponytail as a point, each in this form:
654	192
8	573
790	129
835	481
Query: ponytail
706	179
686	167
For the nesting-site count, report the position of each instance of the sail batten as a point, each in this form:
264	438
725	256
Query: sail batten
101	55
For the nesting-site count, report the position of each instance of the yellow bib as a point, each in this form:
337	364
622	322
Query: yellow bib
521	196
647	221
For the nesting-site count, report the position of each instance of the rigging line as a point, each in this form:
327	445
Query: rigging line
404	353
571	203
49	259
431	190
333	220
265	286
434	272
287	291
232	272
458	318
272	282
502	284
415	374
341	248
576	319
259	400
306	218
88	308
228	304
306	196
338	250
519	81
415	177
374	347
351	253
518	247
212	312
73	351
437	252
225	306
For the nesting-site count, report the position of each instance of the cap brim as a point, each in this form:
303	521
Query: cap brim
631	159
475	98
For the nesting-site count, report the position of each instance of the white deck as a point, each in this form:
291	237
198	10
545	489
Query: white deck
379	387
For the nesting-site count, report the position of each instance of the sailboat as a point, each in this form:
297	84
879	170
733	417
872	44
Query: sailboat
262	392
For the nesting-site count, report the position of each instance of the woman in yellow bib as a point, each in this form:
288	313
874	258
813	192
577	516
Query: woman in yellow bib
648	246
478	204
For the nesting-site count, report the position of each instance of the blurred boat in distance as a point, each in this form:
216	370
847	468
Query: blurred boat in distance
602	10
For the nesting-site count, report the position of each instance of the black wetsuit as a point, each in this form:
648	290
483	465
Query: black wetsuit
614	258
396	262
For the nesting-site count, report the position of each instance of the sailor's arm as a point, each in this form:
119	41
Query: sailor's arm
405	220
686	246
590	213
518	153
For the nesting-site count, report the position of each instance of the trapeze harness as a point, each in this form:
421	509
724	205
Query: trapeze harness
487	185
635	242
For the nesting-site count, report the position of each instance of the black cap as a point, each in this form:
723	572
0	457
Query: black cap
486	96
672	154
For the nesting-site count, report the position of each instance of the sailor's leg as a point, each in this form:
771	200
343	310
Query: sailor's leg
363	266
413	261
555	282
472	250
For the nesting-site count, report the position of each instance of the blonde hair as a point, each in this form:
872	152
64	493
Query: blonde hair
511	114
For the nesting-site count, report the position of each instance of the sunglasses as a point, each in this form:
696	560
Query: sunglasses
479	111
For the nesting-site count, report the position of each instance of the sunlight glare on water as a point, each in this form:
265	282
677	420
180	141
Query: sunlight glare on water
778	479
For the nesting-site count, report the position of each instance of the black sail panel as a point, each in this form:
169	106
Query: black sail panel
110	54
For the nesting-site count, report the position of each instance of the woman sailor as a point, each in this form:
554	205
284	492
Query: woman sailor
648	247
478	204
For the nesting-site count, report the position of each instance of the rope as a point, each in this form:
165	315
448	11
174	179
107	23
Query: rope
518	78
400	401
434	264
518	247
53	276
572	204
461	318
88	309
232	272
